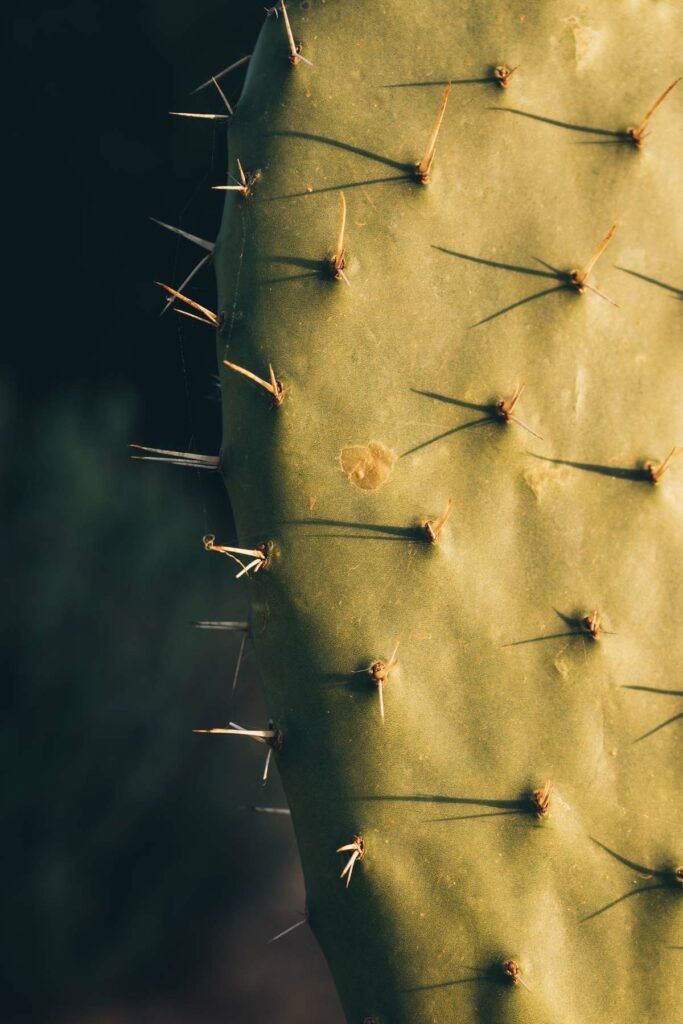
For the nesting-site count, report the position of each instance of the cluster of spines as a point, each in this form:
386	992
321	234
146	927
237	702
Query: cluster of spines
335	265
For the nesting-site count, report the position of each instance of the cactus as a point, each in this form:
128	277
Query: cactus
448	327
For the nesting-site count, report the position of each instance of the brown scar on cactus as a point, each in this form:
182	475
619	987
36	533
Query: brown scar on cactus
260	556
367	466
656	470
505	408
637	135
247	180
273	386
357	849
433	527
579	278
423	169
336	263
208	317
189	459
502	74
540	800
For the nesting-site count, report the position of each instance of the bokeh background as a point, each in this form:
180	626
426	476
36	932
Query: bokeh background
138	886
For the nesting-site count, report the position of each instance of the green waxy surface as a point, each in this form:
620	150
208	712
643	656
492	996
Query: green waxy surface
459	875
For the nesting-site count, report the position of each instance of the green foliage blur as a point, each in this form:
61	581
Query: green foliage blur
136	886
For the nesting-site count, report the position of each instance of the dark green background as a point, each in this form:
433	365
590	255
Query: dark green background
136	889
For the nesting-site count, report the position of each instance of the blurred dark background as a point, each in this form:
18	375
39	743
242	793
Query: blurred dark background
136	886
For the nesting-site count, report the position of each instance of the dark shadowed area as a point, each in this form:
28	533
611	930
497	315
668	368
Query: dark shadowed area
138	886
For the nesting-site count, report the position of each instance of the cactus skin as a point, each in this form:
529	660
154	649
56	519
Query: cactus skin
460	877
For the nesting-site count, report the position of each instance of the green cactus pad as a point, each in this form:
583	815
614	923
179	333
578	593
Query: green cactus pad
519	803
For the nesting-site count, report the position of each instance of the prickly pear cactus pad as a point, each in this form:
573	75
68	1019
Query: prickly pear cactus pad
450	261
